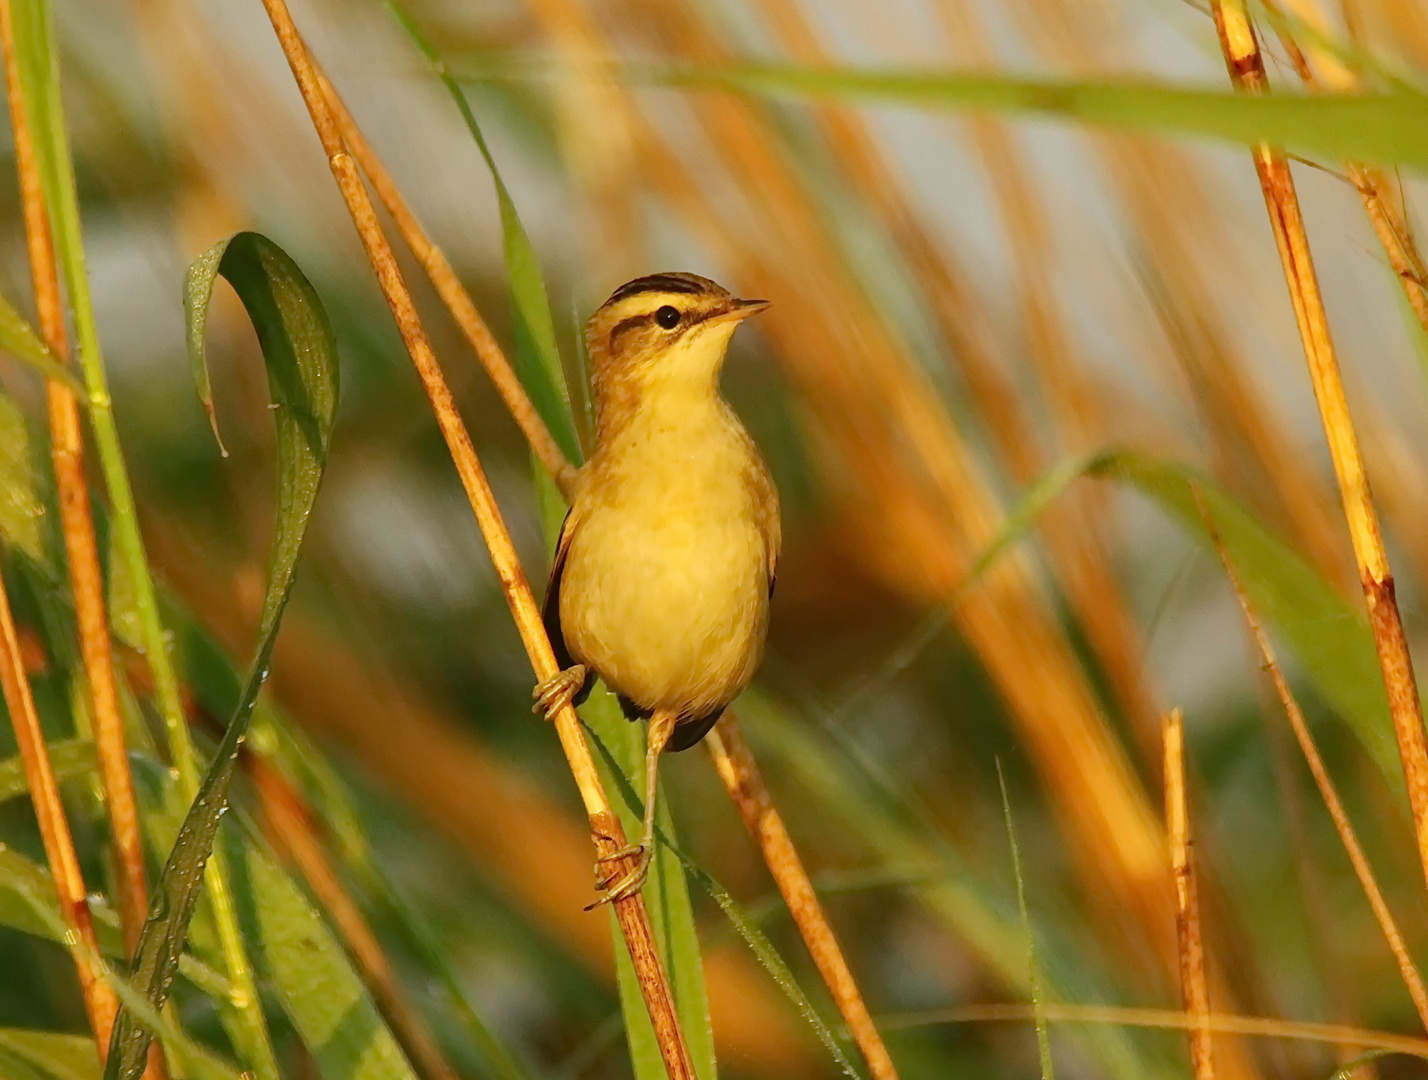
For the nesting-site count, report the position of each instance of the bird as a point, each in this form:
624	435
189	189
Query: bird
665	564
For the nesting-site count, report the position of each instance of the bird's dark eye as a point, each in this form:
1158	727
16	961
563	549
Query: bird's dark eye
668	317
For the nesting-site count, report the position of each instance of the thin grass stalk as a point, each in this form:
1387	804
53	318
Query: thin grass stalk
1311	878
1168	1019
1246	66
605	825
452	293
1194	993
290	829
735	764
77	524
99	1000
1335	806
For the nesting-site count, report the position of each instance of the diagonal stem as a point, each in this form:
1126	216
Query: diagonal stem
1327	791
740	773
631	913
1246	66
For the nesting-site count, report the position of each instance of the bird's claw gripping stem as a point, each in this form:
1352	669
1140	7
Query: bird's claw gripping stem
616	887
558	690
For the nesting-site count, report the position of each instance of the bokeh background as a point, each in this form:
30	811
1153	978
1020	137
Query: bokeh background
960	303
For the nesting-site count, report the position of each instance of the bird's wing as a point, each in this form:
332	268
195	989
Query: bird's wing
765	499
550	611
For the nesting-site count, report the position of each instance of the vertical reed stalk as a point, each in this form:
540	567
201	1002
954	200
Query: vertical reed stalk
99	1000
76	521
1194	993
736	766
605	825
1246	66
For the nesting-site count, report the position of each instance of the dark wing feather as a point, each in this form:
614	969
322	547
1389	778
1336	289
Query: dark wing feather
550	611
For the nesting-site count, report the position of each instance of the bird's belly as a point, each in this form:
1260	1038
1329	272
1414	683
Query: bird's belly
669	607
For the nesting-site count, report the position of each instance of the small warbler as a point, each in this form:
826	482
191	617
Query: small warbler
665	565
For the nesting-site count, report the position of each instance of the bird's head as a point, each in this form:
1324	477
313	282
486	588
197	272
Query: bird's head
661	332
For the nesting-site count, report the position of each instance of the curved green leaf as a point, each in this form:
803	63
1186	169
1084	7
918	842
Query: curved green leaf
300	352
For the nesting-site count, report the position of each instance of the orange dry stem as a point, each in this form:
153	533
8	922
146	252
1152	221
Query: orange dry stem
1246	67
1194	994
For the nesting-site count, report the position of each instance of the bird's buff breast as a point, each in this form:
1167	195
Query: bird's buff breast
665	587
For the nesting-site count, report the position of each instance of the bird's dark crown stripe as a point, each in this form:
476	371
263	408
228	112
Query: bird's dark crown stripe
670	283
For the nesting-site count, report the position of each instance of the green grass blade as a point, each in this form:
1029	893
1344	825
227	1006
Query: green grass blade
300	352
20	879
310	973
537	356
332	802
68	759
1385	128
63	1057
19	339
1327	635
1033	977
200	1062
22	507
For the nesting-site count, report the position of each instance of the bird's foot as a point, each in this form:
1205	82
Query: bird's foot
558	690
619	886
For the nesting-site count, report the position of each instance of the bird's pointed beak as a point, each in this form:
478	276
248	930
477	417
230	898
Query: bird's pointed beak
742	309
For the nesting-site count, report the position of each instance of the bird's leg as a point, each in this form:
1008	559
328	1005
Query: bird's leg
558	690
661	726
